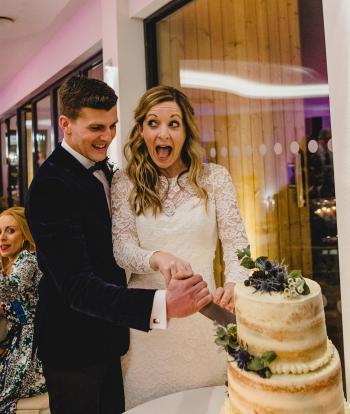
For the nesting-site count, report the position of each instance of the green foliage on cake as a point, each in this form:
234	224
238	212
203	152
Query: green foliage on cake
226	338
271	276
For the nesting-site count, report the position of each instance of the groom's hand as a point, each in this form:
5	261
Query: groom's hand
186	296
169	265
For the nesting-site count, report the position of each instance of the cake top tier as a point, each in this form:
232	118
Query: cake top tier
294	328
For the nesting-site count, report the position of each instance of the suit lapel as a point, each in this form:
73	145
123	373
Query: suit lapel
91	185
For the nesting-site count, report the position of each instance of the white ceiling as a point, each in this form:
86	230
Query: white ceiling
35	22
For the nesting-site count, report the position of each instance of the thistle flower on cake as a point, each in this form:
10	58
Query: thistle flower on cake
226	338
271	276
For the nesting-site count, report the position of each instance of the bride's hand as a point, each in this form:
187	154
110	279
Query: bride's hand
224	296
169	265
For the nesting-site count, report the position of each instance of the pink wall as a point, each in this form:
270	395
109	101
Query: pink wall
79	37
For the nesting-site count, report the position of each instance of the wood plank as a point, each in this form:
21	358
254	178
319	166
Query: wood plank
289	133
253	74
191	55
240	45
278	122
176	46
220	114
304	215
273	249
219	98
206	99
164	57
232	102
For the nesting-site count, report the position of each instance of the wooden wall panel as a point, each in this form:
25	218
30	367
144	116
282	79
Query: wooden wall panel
164	56
232	102
217	66
299	125
206	97
255	115
263	59
256	40
176	45
289	121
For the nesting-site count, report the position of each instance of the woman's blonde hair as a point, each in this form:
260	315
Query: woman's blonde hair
18	214
142	171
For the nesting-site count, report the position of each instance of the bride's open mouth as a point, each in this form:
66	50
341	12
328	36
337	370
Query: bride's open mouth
163	152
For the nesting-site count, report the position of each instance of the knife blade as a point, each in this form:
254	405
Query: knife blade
218	314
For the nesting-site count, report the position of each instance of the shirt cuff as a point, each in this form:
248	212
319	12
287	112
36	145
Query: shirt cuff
159	315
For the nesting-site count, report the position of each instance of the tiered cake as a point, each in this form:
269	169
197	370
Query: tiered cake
305	375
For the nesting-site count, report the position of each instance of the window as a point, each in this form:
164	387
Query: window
38	134
259	89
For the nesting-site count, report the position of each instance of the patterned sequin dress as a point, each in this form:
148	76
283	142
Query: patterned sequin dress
184	355
20	375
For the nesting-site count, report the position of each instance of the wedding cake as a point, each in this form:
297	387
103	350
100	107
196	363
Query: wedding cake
280	359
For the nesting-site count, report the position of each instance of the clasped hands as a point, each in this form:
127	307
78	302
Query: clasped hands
187	292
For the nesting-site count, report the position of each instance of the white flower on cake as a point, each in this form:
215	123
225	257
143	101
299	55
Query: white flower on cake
295	287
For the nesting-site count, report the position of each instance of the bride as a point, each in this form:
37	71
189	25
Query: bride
168	210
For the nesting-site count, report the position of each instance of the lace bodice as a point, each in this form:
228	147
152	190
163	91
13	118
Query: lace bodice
185	228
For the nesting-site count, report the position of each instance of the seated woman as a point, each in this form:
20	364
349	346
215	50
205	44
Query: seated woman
20	375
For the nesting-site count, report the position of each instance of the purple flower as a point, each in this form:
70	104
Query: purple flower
242	357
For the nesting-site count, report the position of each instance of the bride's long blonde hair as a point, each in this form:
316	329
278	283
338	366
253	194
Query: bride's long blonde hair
142	171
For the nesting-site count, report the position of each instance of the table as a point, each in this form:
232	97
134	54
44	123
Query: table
207	400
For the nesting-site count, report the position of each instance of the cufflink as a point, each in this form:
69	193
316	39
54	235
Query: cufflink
156	321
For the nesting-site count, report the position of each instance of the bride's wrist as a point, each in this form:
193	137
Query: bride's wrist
153	260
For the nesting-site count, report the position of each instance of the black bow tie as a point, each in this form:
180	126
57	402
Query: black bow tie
100	165
103	165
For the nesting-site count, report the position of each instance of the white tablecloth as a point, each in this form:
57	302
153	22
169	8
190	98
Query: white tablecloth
208	400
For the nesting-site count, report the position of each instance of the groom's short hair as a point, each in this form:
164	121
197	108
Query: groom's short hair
79	92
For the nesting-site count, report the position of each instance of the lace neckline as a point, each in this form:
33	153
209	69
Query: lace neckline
171	181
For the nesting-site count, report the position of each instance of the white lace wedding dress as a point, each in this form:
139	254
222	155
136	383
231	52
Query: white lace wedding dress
184	355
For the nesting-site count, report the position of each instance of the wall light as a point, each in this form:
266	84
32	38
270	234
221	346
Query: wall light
248	88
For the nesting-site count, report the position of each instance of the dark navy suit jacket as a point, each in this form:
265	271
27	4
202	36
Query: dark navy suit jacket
85	307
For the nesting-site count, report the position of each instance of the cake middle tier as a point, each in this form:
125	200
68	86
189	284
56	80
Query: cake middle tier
294	328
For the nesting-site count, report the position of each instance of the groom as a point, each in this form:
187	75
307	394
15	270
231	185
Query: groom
85	308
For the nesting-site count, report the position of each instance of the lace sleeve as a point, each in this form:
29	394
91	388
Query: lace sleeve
126	246
230	225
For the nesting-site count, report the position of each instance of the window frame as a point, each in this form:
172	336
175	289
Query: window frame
150	34
20	110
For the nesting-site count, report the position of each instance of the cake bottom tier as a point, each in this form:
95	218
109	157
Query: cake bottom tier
318	392
227	409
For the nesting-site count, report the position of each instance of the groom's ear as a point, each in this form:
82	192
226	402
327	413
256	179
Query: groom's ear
65	124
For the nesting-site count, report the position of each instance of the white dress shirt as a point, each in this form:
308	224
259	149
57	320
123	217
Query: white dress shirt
99	174
158	318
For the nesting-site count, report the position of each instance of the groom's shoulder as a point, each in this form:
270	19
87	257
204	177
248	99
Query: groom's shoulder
51	167
51	176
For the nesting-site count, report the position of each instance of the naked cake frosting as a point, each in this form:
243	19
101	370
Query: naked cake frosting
280	360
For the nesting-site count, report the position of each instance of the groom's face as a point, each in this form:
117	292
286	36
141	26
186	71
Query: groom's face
91	133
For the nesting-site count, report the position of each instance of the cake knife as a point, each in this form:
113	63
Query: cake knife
218	314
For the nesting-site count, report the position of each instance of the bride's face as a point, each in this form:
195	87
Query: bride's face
164	134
